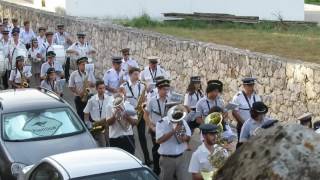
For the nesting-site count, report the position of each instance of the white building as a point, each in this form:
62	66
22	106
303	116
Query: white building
265	9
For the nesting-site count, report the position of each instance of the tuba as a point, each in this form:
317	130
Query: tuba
176	114
119	102
216	119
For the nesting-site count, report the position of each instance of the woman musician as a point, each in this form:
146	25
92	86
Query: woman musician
50	82
34	56
20	76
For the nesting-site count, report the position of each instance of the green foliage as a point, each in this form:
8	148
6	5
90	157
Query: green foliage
312	2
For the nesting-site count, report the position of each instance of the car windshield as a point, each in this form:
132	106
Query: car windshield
39	124
132	174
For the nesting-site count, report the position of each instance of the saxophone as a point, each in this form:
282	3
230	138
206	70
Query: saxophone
24	81
140	105
85	90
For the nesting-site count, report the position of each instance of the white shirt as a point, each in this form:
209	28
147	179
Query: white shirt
61	39
97	107
76	80
13	49
112	78
116	130
199	160
15	76
248	129
5	45
149	76
41	40
204	105
244	107
82	49
33	53
47	85
171	146
192	100
125	67
156	112
26	37
133	91
45	66
46	47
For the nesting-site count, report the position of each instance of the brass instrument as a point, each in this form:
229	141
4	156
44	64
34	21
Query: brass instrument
24	81
176	114
85	90
140	103
119	102
215	118
98	126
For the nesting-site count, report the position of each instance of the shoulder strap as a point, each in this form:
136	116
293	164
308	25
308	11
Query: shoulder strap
245	96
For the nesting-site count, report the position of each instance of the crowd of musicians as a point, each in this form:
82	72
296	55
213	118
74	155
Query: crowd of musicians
129	97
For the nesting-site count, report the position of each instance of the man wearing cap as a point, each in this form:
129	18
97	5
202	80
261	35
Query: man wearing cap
17	74
5	45
156	110
152	71
257	119
113	77
42	36
306	120
212	98
81	48
14	45
200	158
173	134
76	85
127	63
27	34
51	64
61	37
244	99
133	91
96	110
47	46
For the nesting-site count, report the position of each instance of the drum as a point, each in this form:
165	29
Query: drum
18	52
60	54
3	64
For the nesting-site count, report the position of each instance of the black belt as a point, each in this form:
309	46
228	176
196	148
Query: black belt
193	109
244	109
122	137
171	156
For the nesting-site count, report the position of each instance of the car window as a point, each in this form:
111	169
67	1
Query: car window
45	172
133	174
40	124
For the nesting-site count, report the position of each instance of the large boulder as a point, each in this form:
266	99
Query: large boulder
283	152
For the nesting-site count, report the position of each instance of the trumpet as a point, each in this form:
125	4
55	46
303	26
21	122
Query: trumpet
176	114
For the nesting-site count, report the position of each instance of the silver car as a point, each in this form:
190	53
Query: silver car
36	124
92	164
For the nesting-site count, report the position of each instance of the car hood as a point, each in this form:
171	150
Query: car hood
31	152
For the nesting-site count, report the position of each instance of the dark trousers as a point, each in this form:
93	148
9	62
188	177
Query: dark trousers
193	125
80	107
239	126
155	154
123	142
67	69
143	140
5	79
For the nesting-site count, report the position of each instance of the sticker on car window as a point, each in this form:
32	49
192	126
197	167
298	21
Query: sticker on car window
42	126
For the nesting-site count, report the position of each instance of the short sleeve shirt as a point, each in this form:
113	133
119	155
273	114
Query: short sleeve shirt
204	105
133	91
82	49
157	109
76	80
248	129
191	100
149	75
112	78
98	108
244	105
15	76
45	66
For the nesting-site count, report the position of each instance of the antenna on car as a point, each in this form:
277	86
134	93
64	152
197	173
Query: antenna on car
50	93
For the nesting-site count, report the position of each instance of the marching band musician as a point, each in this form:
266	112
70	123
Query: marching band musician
15	24
96	110
50	82
193	95
212	98
27	34
120	117
127	62
199	160
42	36
156	110
81	48
19	74
133	92
77	83
173	134
51	63
152	71
113	77
5	44
47	46
36	59
14	45
257	119
6	25
244	99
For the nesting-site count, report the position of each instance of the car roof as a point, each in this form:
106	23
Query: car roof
96	161
13	100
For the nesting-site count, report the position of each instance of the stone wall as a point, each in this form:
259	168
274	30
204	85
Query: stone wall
290	88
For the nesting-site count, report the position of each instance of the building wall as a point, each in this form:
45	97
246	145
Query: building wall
290	88
265	9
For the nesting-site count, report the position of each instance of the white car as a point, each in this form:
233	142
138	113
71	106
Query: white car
91	164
